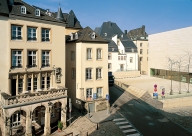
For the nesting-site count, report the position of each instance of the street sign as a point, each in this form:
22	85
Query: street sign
107	96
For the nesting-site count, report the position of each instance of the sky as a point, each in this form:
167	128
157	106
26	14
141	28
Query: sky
157	15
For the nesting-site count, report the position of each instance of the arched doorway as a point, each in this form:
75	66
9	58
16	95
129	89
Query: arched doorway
18	123
38	120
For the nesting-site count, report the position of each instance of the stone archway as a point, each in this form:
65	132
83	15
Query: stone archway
38	120
18	123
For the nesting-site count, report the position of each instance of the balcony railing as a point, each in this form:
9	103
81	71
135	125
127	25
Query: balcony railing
31	66
7	100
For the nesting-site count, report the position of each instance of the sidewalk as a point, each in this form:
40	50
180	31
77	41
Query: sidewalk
84	125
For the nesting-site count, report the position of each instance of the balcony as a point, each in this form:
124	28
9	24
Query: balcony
30	98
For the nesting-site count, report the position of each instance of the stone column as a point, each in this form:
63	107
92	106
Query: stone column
32	89
17	85
63	115
28	124
25	82
47	128
6	124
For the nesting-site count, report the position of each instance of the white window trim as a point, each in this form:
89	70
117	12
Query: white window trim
23	10
109	64
20	88
131	59
89	53
89	96
34	58
99	54
15	58
33	30
17	32
35	85
89	71
18	120
101	90
46	56
37	12
98	73
45	35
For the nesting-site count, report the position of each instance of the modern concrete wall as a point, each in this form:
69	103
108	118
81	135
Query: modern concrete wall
170	44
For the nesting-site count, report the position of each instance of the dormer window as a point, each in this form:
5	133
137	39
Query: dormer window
93	35
76	35
37	12
23	9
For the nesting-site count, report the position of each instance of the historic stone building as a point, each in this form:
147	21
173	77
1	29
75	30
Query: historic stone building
86	71
140	38
32	72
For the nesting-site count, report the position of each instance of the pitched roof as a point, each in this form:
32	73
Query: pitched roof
72	20
85	35
4	10
137	33
110	29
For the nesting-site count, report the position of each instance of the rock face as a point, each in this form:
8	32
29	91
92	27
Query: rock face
101	106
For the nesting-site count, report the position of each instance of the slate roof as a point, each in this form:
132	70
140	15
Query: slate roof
4	10
137	33
84	35
109	30
30	12
62	18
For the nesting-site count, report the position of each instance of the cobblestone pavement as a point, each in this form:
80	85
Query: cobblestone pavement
181	116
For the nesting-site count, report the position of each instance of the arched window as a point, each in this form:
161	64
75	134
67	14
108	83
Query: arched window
23	9
37	12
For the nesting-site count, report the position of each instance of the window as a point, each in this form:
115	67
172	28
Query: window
42	83
132	49
31	59
99	92
141	44
119	57
131	59
16	59
16	32
29	84
73	73
99	51
31	34
124	57
15	119
109	56
109	66
45	59
98	73
141	51
88	73
45	34
34	83
20	85
37	12
72	55
23	9
48	82
112	49
141	58
89	93
89	53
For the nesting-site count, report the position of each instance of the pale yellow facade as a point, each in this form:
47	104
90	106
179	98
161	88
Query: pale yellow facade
78	85
142	47
51	100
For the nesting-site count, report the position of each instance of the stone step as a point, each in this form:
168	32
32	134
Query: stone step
129	130
118	119
137	134
124	122
127	126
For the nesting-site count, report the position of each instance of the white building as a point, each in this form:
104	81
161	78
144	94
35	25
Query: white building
123	54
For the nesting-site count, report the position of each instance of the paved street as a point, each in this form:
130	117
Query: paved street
147	120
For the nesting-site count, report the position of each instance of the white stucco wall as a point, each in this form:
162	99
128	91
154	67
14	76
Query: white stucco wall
168	44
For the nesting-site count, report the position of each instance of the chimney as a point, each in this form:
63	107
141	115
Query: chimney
109	24
143	29
125	32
